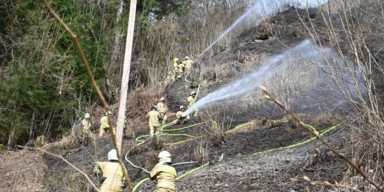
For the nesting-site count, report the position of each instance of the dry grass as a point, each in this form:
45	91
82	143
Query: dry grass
138	105
201	151
354	31
158	42
18	173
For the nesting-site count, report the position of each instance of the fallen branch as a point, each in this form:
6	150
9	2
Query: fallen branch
317	135
62	158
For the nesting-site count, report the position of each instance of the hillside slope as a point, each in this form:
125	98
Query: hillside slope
233	163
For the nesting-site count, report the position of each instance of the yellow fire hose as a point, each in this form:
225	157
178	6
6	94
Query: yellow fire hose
298	144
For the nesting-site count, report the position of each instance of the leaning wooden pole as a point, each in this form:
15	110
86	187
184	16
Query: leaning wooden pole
125	78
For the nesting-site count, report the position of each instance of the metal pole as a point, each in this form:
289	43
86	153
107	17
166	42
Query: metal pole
125	78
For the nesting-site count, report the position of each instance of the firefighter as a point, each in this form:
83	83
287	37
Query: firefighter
110	174
164	174
179	116
154	118
87	124
191	101
163	110
104	125
181	69
176	70
188	64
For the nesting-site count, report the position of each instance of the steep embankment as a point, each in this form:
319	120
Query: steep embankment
233	165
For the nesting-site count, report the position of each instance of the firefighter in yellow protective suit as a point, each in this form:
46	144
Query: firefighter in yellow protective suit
188	64
87	125
104	125
164	174
179	116
163	110
154	118
181	69
110	174
176	71
191	101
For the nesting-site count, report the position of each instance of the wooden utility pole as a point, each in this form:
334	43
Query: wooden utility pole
125	78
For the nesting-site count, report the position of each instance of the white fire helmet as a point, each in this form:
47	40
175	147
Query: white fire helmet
162	99
186	58
109	112
193	92
87	116
112	155
182	107
165	156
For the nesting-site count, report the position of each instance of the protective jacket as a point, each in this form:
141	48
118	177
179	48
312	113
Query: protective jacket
162	107
154	117
86	124
180	113
114	174
181	67
165	175
175	66
104	122
188	64
104	126
191	101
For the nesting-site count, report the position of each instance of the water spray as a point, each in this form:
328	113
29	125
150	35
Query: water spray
263	5
306	50
231	27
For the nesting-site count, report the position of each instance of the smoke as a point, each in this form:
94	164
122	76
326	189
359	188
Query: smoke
305	58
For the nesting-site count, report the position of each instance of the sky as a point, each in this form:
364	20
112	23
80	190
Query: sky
266	7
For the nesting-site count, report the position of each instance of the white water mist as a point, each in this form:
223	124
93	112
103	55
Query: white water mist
305	51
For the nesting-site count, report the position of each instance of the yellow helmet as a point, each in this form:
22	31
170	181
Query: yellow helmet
175	60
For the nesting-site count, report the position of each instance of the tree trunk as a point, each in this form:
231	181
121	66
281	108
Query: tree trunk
116	47
31	127
11	136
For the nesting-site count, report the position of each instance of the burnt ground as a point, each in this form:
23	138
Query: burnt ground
233	167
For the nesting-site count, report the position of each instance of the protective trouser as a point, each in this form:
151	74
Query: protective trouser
165	117
153	129
104	130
